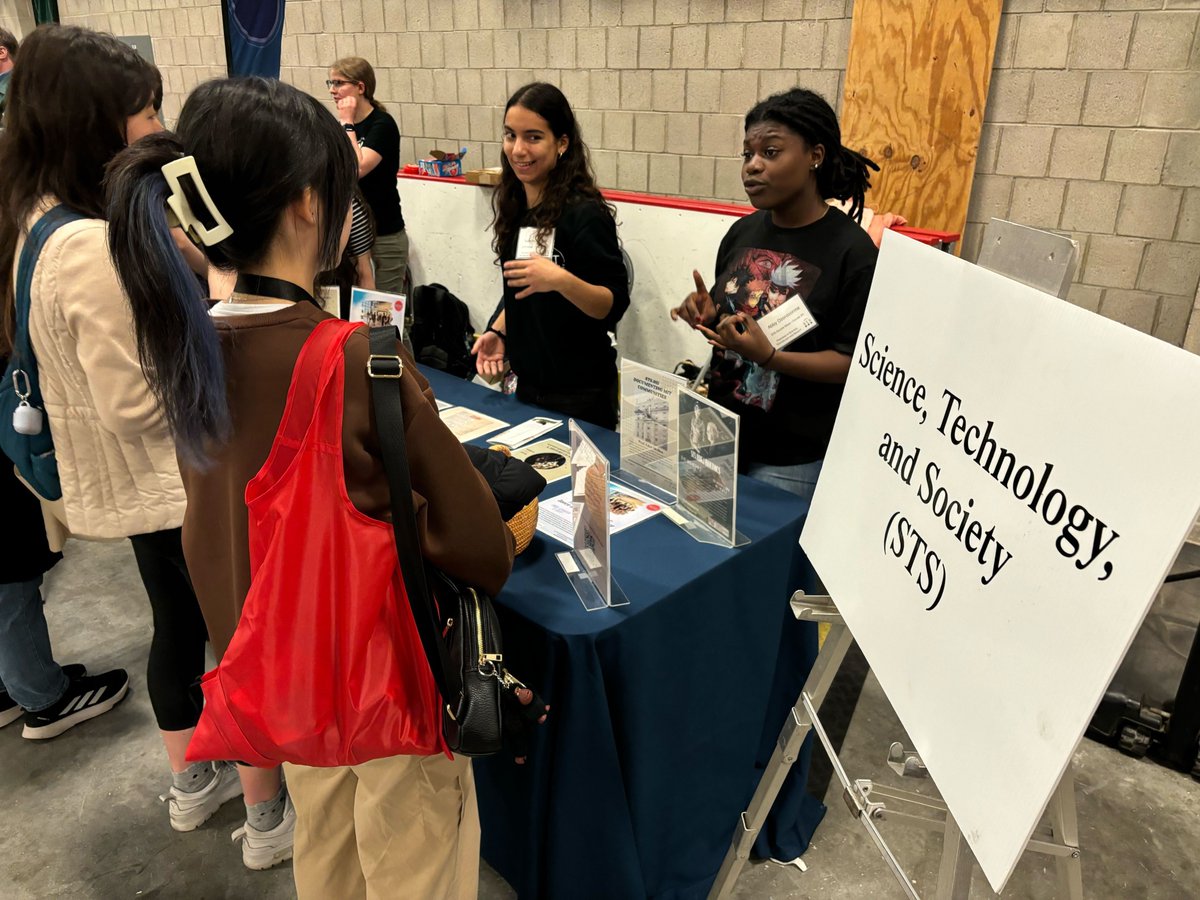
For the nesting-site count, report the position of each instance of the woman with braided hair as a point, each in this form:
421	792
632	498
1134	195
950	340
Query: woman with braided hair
795	246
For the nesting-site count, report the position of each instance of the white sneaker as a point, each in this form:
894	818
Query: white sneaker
264	849
190	811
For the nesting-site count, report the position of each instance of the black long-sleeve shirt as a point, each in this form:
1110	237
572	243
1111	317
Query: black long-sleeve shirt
552	344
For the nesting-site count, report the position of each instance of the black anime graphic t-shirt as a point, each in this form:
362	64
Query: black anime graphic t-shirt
760	266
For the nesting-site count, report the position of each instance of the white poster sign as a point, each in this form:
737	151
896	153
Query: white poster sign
650	428
1009	481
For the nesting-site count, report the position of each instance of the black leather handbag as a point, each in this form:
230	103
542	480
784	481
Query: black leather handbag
457	624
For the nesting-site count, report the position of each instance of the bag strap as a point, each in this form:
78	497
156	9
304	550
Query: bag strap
312	377
38	235
386	368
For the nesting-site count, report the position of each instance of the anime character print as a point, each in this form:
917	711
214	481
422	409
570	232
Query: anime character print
758	282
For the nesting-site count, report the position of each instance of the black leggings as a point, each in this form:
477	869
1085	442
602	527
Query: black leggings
177	648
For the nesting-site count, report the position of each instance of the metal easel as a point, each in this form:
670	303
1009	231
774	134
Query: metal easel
869	803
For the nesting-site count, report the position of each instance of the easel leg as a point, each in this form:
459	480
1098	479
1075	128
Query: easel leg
1065	824
954	875
787	748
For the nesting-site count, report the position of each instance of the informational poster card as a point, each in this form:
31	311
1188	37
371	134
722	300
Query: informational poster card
551	458
588	563
1009	480
529	245
788	321
467	424
708	451
650	429
589	514
526	431
377	309
626	508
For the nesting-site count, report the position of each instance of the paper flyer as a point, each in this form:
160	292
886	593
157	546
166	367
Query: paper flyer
626	508
551	458
708	465
529	430
466	424
649	427
377	309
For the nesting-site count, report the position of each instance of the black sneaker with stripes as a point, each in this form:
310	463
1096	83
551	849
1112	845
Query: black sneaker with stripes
86	698
10	711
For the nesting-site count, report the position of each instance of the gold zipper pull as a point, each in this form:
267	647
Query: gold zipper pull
510	681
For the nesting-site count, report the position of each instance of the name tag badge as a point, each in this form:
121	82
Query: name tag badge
527	244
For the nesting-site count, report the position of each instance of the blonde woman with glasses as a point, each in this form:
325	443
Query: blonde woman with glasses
375	137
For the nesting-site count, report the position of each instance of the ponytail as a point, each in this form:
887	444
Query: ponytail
358	69
176	341
844	174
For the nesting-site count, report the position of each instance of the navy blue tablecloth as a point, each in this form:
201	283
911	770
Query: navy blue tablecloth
663	712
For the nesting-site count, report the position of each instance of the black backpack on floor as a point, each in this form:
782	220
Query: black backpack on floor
440	330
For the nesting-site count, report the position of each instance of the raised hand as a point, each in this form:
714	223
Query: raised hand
489	355
697	307
347	107
742	335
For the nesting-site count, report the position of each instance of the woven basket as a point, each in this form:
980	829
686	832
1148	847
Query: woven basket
523	525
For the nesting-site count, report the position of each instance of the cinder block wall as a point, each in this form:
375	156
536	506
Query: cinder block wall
660	85
16	16
186	35
1092	125
1092	129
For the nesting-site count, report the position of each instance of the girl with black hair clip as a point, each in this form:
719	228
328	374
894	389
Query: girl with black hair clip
278	212
565	283
793	161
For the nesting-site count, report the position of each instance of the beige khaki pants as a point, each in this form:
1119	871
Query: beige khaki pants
391	259
404	827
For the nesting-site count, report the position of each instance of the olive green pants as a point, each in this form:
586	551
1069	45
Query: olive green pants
391	259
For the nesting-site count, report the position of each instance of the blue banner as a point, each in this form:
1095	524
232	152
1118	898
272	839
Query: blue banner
253	34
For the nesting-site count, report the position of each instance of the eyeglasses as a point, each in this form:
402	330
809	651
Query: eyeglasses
337	83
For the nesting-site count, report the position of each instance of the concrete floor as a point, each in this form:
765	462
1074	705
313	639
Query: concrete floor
82	818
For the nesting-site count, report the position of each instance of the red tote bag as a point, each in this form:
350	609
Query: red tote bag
326	667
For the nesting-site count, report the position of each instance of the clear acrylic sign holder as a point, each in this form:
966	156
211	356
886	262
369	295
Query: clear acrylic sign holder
708	466
588	564
650	431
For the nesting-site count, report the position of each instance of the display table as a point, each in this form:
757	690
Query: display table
663	712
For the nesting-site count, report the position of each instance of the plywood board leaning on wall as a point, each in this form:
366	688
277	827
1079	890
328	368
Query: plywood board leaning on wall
916	89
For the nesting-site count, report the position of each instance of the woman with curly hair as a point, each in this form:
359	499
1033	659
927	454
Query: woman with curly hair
565	284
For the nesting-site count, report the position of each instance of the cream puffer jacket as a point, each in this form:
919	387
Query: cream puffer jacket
116	459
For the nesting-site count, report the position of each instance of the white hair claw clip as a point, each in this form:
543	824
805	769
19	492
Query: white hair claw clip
181	209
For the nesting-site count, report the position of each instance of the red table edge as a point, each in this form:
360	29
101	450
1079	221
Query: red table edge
924	235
